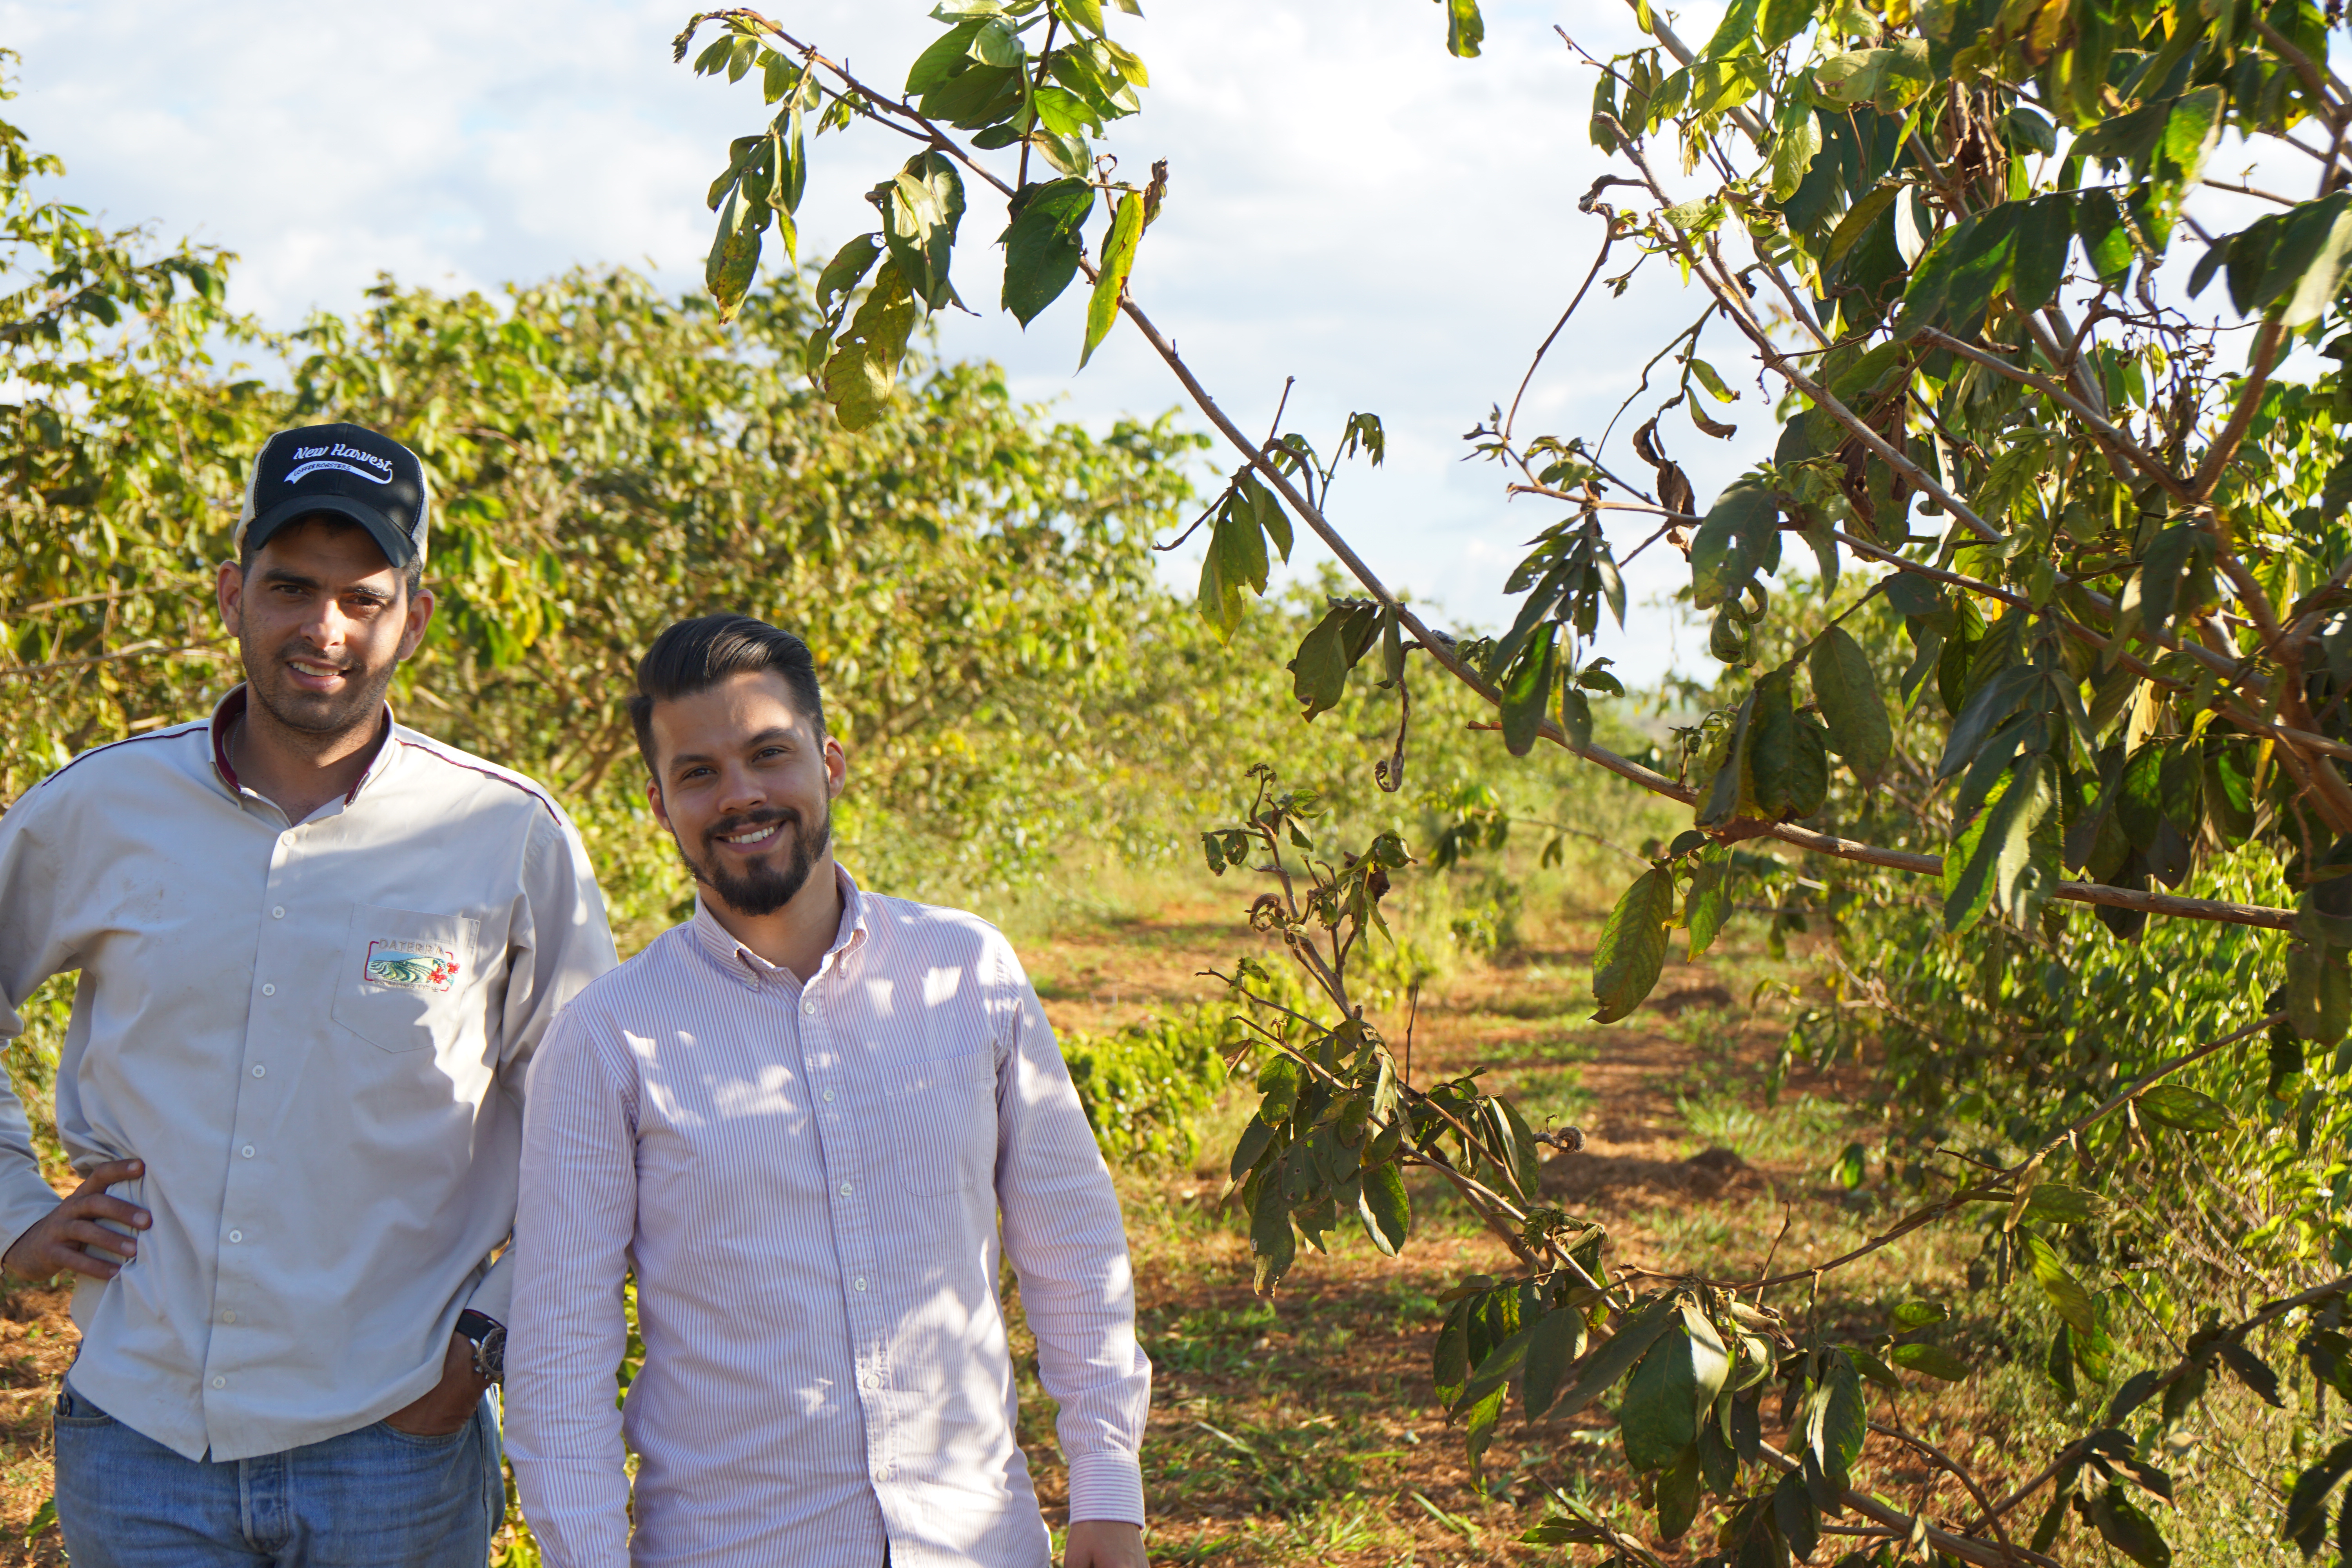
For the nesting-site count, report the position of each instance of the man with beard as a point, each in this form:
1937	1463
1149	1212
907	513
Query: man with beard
801	1116
316	951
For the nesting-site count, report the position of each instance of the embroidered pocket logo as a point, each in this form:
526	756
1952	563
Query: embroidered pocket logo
411	965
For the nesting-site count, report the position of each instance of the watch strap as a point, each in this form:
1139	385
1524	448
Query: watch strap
489	1337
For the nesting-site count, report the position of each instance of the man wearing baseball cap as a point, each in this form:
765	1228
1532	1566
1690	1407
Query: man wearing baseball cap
316	951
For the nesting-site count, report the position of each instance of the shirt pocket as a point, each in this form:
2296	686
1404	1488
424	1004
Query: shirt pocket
943	1117
404	976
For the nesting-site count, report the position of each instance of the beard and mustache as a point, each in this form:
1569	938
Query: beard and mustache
766	887
358	705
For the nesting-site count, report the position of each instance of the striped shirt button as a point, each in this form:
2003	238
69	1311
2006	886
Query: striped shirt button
808	1006
828	1097
845	1189
860	1282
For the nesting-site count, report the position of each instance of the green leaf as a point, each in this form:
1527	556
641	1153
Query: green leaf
1678	1495
1612	1359
1044	244
1999	861
859	378
1709	899
1798	1516
1740	531
1839	1420
2318	993
2175	1106
1273	521
1847	691
1936	1361
1449	1369
1552	1349
2313	286
1858	220
2044	233
1851	77
1772	749
1712	379
1256	1139
2057	1204
1632	946
1658	1418
1384	1208
1110	283
2066	1292
1465	29
1085	13
944	58
847	268
1793	150
998	43
1781	20
2306	1504
1318	675
1528	690
1809	773
2128	1530
734	259
922	206
1913	1315
1272	1240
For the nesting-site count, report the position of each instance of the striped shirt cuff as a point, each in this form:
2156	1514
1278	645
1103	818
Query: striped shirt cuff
1108	1487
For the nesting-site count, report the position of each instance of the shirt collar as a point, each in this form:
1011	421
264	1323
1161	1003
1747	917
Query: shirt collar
231	712
715	940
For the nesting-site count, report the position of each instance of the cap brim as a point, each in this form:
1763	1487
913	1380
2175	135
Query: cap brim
398	547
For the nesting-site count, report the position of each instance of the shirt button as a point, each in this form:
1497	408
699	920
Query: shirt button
260	1071
844	1193
286	837
279	913
220	1382
228	1317
808	1006
269	991
874	1382
247	1150
860	1282
240	1236
828	1097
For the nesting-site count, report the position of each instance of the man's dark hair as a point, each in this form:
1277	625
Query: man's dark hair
412	574
695	656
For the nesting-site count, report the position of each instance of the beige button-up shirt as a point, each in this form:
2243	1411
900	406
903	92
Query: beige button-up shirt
315	1035
817	1184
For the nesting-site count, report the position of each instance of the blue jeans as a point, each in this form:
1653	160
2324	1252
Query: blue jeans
371	1498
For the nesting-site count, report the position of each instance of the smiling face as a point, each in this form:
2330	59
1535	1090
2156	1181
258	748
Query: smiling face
321	621
745	784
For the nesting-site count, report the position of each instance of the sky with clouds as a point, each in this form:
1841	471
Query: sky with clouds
1349	205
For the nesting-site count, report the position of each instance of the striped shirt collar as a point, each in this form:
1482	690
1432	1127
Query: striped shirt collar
721	944
231	713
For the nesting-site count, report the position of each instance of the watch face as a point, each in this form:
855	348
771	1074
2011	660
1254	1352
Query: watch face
490	1355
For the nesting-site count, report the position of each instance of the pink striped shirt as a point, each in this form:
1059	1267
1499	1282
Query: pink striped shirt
809	1179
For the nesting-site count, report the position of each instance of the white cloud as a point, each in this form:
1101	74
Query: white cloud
1348	204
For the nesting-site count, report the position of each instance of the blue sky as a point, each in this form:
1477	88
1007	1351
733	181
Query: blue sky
1349	205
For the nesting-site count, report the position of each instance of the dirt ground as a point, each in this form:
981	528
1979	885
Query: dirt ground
1301	1429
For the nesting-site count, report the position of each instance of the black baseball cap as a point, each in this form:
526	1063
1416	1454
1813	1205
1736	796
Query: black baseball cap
347	470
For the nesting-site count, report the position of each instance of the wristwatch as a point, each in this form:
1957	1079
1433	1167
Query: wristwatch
488	1338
